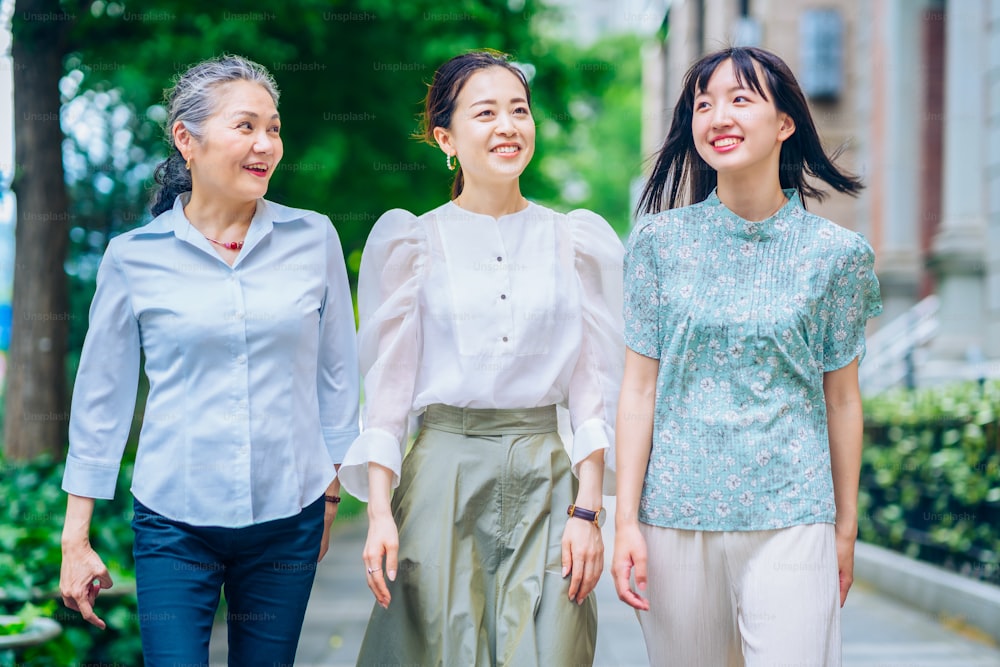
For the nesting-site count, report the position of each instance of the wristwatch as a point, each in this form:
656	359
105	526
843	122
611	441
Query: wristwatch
596	518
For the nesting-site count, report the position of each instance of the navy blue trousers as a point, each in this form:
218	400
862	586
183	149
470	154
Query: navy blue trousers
266	571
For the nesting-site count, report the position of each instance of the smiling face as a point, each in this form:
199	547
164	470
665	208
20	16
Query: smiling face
492	131
240	147
735	128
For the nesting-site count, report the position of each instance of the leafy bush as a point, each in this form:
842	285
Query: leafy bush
30	554
930	476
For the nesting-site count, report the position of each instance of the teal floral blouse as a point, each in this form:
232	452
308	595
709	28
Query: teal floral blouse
745	317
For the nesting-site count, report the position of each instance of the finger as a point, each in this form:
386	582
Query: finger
845	587
590	578
70	603
577	571
379	587
391	561
87	612
639	565
567	558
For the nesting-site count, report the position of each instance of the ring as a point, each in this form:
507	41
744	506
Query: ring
373	570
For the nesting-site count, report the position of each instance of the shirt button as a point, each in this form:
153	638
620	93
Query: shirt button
503	296
499	259
240	314
505	339
242	359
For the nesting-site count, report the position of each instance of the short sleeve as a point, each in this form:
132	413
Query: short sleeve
389	343
596	381
642	292
852	299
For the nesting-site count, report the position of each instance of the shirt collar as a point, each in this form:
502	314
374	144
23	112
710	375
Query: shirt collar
758	229
174	221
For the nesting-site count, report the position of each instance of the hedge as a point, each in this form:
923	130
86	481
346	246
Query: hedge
30	555
930	476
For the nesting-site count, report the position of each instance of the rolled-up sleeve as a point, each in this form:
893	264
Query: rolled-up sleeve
105	390
338	374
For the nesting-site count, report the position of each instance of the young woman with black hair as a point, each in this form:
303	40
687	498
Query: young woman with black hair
739	425
484	314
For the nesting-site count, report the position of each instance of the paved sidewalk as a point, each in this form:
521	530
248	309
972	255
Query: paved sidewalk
878	632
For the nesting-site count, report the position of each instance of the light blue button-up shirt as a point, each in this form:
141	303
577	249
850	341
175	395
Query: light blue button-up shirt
253	371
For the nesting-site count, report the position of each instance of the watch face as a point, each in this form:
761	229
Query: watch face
601	515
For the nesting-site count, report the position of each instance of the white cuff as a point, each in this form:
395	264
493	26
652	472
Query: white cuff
590	436
372	446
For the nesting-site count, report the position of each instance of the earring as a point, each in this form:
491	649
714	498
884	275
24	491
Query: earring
450	161
187	165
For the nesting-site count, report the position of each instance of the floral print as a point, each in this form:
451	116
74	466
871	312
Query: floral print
744	317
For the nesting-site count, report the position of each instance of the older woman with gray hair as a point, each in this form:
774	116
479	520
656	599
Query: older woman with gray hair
242	310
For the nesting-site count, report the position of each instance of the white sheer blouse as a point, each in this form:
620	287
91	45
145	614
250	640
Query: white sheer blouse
471	311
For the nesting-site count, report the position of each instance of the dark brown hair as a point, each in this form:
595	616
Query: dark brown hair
678	166
443	92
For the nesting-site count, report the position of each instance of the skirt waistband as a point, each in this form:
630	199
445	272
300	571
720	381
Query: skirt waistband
490	421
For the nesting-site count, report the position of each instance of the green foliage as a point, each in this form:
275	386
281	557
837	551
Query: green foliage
592	143
352	75
30	556
931	476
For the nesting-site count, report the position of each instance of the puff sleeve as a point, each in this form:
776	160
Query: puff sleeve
852	298
596	380
389	343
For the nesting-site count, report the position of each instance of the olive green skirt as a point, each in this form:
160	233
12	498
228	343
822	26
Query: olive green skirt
481	508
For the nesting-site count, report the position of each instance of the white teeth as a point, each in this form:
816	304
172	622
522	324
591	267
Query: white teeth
505	149
728	141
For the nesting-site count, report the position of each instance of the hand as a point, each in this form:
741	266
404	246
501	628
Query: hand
329	516
82	575
582	557
630	552
845	561
382	543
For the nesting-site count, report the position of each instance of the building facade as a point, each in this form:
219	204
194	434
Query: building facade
910	89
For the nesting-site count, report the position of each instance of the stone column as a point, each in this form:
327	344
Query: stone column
959	251
992	346
895	88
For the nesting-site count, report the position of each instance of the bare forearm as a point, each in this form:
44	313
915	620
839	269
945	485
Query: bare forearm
634	433
633	441
379	490
845	428
76	527
591	474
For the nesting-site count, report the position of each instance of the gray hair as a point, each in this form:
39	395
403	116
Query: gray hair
192	100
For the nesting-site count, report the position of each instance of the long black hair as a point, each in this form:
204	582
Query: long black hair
680	176
447	84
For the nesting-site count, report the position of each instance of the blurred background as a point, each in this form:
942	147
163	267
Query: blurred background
909	89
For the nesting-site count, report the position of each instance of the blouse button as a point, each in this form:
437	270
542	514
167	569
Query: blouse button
499	259
503	296
505	339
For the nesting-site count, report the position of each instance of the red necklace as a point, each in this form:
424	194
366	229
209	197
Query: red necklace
232	245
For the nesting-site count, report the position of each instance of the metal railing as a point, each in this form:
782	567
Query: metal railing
894	350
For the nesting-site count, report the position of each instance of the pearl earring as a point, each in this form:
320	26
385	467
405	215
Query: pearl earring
450	161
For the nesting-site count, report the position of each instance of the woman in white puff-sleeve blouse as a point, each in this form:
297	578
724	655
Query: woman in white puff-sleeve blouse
484	324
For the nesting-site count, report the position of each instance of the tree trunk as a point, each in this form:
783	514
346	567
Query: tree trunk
36	404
